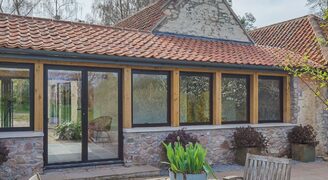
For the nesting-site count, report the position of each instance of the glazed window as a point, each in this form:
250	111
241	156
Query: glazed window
235	98
270	99
195	98
150	97
16	97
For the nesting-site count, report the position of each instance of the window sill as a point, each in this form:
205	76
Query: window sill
204	127
20	134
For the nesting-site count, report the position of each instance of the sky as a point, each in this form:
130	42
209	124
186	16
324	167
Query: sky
268	12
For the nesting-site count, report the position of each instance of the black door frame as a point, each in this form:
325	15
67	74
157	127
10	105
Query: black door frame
84	114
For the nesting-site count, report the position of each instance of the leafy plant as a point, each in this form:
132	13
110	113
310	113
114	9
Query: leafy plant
246	137
69	131
303	135
182	137
188	160
3	153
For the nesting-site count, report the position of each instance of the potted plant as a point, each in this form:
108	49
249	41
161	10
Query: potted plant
248	140
3	153
303	142
187	163
182	137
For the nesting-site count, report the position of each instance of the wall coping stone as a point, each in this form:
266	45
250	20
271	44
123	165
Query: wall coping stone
20	134
204	127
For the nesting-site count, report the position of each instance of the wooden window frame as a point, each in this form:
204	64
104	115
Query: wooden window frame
166	73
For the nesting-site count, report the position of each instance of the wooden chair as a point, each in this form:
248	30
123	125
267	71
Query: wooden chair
264	168
36	177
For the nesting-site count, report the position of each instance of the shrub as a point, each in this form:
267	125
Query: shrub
182	137
247	137
3	153
69	131
187	160
303	135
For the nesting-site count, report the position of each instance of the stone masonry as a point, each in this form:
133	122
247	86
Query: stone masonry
210	18
25	158
145	147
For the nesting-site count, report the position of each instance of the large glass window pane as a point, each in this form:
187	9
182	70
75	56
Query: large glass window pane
64	116
15	104
150	98
195	95
270	99
103	115
235	99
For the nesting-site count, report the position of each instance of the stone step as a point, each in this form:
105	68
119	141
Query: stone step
101	172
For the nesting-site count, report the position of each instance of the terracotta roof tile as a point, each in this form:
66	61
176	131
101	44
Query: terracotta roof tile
43	34
297	35
145	19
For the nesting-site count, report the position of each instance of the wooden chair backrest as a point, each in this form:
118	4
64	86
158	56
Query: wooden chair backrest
36	177
266	168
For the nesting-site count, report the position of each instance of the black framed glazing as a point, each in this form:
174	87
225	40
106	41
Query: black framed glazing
84	114
281	85
247	77
200	74
30	67
152	72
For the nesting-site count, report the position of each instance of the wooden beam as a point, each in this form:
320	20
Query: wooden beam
38	97
175	98
217	110
254	98
127	99
286	100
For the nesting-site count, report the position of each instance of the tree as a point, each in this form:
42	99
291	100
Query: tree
61	9
111	11
18	7
318	6
247	21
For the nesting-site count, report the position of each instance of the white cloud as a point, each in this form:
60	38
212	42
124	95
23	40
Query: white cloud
268	12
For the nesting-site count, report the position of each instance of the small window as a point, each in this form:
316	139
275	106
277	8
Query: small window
235	99
270	99
150	93
195	98
16	97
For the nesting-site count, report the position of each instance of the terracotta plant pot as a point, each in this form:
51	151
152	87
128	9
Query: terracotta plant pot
303	152
181	176
241	153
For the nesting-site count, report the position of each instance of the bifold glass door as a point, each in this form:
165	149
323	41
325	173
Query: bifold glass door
83	115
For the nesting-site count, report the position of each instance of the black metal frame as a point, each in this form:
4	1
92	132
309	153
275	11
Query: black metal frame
30	67
84	114
209	75
247	77
281	88
153	72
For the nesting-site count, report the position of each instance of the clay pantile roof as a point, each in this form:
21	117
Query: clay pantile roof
42	34
299	35
145	19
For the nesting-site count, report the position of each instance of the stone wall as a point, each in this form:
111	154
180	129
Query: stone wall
25	157
145	147
210	18
309	109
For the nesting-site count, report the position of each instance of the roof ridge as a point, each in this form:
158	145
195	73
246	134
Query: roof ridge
284	22
72	22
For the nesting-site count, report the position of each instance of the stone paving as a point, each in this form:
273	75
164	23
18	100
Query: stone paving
300	171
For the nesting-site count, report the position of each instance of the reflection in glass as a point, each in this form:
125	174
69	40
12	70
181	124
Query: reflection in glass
235	98
150	98
195	98
64	116
14	98
103	115
270	99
